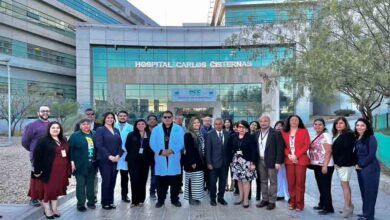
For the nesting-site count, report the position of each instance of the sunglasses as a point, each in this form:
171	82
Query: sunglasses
167	117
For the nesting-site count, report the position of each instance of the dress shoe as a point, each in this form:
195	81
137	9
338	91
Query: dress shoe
106	207
48	217
238	203
279	198
222	201
246	206
176	203
262	204
91	206
362	218
271	206
194	202
159	204
112	206
325	212
213	202
360	215
126	199
318	207
81	209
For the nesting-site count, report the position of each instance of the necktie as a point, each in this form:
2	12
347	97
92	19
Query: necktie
221	137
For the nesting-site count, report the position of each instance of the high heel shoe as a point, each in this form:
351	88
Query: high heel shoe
48	217
238	203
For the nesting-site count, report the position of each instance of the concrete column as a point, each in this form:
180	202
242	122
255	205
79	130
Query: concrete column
270	102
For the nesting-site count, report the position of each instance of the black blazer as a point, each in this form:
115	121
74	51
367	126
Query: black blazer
247	145
133	144
44	155
217	154
343	150
193	154
274	148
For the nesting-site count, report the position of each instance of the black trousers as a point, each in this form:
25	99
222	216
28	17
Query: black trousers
138	177
220	175
163	182
368	178
324	183
108	172
124	183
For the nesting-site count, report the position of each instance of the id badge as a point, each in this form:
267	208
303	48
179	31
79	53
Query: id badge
63	153
239	152
141	151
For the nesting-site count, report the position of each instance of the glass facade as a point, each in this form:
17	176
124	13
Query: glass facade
89	11
246	16
38	88
25	50
238	101
23	12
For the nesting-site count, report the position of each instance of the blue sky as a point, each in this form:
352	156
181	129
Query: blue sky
174	12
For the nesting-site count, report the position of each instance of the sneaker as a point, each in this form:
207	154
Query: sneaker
81	209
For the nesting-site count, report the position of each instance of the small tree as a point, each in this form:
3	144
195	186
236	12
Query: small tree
21	107
64	109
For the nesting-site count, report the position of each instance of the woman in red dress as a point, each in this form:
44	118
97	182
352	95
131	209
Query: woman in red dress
297	140
51	170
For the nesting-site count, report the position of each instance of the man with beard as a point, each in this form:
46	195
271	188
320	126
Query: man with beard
124	129
32	133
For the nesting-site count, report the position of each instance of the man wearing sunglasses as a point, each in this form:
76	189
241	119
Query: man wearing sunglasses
90	115
166	141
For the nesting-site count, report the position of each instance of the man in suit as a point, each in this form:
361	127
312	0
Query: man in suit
270	153
218	158
90	115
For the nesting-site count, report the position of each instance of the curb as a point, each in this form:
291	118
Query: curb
36	213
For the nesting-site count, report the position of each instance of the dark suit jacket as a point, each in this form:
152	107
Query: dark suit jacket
217	154
193	153
274	148
247	145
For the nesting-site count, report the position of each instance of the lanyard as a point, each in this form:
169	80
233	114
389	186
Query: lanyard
142	141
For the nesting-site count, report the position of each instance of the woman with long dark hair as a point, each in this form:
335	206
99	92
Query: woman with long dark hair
194	163
344	159
297	141
51	170
244	160
368	169
108	153
139	158
322	163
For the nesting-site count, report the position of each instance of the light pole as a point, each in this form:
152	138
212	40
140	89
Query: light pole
7	62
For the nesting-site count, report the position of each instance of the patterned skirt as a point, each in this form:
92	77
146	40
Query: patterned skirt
241	169
194	185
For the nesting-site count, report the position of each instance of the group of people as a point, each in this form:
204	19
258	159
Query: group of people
275	158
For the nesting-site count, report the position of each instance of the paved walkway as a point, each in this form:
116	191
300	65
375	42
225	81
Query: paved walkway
207	212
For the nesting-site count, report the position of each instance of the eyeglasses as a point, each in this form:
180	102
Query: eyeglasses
167	117
90	113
